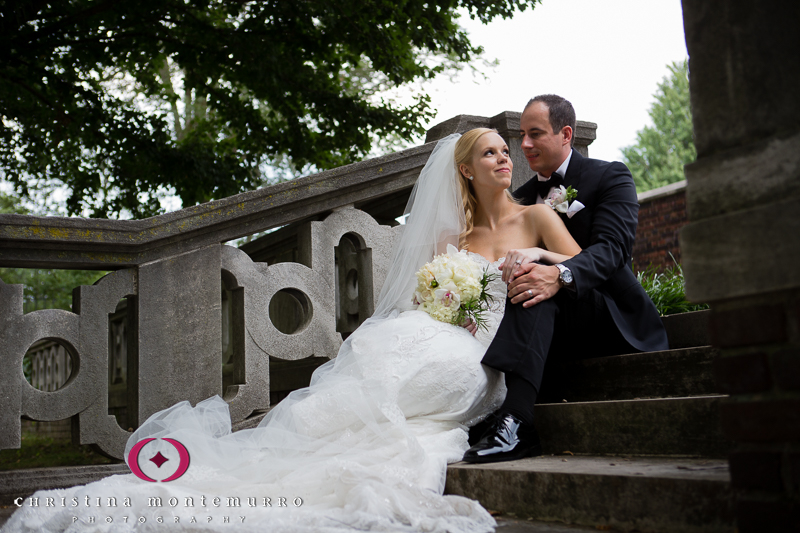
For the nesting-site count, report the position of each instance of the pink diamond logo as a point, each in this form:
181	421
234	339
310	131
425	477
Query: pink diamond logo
159	459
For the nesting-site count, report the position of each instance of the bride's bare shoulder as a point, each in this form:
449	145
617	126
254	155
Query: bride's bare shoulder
537	211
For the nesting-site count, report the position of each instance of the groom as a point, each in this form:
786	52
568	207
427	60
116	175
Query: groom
588	306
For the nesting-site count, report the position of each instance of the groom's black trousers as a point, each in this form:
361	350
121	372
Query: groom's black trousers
563	328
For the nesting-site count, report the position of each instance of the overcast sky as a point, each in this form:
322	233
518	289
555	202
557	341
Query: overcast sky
605	56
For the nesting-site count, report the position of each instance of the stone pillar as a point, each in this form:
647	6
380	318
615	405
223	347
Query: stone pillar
741	249
179	328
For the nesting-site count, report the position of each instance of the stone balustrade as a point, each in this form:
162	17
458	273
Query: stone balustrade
291	295
174	341
50	365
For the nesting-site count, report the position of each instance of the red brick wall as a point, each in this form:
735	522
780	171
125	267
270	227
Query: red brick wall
660	219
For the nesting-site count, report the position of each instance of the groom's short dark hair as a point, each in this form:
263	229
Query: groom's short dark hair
561	112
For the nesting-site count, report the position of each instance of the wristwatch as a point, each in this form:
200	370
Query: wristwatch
564	276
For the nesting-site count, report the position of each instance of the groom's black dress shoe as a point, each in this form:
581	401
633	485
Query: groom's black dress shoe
507	439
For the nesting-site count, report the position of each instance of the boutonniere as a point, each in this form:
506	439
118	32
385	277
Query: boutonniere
560	198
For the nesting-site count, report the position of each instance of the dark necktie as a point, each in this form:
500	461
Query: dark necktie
543	187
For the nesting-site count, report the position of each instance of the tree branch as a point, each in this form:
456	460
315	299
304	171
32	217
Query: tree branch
64	118
53	28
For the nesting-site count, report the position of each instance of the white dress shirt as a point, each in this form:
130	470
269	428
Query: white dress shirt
561	170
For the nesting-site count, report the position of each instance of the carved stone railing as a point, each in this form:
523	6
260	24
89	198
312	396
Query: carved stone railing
300	290
50	365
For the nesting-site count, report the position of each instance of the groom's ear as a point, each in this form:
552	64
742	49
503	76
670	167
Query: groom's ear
567	131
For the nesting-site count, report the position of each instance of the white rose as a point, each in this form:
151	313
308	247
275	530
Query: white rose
425	275
445	276
461	273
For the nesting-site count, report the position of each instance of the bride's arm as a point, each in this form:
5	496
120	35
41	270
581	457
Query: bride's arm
548	257
555	244
553	235
522	256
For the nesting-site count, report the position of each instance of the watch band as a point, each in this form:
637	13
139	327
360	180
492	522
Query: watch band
565	277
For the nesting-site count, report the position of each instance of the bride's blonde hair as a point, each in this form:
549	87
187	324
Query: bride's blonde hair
463	156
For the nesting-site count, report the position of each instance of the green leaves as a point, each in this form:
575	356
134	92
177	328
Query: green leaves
661	151
121	102
667	290
475	309
10	204
48	288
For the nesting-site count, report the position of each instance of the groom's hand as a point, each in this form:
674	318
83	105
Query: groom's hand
540	280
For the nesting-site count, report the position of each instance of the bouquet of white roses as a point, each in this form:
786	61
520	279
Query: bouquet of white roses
452	288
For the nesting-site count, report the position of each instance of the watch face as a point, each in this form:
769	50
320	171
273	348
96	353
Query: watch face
566	276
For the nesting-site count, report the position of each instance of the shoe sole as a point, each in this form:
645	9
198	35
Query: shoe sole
536	451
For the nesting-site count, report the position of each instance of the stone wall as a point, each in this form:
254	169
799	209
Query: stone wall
741	249
662	213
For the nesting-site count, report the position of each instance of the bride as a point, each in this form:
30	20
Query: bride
366	445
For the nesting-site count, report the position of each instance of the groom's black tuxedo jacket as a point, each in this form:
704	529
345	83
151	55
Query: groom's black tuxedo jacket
605	229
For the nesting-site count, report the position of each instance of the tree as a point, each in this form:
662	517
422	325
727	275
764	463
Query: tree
11	204
120	102
48	288
661	151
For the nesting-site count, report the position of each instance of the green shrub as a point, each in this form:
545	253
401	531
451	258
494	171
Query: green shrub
667	290
40	451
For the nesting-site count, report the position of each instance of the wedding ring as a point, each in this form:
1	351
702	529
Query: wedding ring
530	293
517	262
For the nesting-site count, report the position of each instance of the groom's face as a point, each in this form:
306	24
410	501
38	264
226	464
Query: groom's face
544	149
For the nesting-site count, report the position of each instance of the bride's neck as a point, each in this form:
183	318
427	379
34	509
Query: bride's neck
492	208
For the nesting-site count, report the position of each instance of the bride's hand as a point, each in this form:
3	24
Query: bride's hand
515	258
470	326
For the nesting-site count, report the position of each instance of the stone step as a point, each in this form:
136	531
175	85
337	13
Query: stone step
662	495
670	373
686	330
508	524
16	483
665	426
504	524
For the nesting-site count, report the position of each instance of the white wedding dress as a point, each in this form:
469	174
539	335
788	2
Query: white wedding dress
365	447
